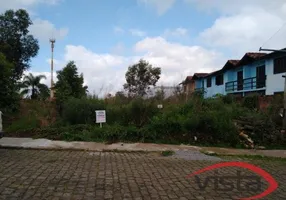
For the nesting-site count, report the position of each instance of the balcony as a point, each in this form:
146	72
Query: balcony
199	89
249	84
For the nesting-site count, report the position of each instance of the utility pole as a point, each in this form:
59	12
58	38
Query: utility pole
52	41
284	76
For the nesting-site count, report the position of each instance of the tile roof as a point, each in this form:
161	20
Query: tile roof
250	57
233	62
255	55
199	75
189	78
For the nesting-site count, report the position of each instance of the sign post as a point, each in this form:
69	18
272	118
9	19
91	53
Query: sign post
100	117
1	125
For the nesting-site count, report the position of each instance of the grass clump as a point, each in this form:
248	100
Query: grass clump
167	153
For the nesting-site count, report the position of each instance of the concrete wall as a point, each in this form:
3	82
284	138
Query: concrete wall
249	70
214	89
274	82
198	83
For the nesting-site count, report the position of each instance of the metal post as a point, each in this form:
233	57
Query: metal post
233	86
52	41
1	125
100	125
284	117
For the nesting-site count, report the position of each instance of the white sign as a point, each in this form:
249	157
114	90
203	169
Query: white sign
100	116
160	106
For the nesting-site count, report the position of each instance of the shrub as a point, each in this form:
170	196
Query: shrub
251	102
228	99
140	111
210	120
29	122
81	111
274	110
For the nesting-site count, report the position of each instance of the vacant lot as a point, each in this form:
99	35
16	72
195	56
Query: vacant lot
38	174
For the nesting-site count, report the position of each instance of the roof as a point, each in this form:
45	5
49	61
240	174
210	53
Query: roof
233	62
230	64
275	54
250	57
187	80
199	75
214	73
255	55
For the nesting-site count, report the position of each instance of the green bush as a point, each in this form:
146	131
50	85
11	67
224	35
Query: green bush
228	99
209	120
140	111
81	111
29	122
275	109
251	102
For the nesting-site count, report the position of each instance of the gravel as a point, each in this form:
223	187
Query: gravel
194	155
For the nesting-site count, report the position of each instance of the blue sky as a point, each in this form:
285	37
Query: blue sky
181	36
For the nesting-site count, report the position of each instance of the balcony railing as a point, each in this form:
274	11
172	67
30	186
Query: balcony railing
246	84
199	89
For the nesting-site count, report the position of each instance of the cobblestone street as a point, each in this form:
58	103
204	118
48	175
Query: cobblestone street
39	174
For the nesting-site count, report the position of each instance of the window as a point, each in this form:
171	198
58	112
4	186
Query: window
219	79
209	82
280	65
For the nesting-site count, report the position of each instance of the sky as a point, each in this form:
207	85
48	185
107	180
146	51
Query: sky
181	37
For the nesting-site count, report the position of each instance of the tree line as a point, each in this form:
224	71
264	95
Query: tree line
18	47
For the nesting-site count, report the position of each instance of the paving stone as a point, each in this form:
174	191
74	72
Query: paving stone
39	174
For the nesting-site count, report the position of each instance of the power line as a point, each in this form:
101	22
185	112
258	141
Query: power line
274	34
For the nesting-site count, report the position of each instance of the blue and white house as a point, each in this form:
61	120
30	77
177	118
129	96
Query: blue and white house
258	73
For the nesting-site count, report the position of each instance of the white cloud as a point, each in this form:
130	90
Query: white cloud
16	4
234	7
178	32
43	30
246	32
118	49
105	73
118	29
245	25
137	32
177	60
58	64
46	81
102	72
161	6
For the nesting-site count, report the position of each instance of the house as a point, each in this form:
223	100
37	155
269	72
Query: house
188	85
257	73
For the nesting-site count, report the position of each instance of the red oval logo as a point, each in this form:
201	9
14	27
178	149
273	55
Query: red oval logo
273	185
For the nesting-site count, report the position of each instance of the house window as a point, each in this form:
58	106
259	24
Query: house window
280	65
219	79
209	82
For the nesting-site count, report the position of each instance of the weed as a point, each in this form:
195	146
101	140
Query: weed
167	153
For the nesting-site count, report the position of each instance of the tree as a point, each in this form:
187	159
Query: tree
15	42
70	83
160	94
8	89
33	87
140	77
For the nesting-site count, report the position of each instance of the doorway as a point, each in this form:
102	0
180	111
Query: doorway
240	80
